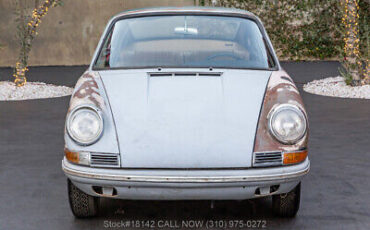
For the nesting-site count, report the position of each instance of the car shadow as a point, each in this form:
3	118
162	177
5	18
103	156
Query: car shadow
127	214
183	210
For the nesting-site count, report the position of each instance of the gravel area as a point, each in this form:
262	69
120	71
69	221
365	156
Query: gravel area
336	87
32	90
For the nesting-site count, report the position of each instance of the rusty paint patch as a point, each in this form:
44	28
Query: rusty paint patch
280	89
87	91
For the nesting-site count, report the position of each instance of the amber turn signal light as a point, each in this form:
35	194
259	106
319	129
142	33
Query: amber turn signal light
82	158
294	157
71	156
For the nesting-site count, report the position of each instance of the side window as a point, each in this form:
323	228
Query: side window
104	56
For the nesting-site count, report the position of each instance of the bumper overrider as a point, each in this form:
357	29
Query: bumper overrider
175	184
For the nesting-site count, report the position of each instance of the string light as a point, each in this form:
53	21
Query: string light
352	42
30	34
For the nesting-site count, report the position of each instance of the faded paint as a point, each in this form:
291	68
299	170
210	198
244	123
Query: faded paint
280	90
185	122
87	91
147	109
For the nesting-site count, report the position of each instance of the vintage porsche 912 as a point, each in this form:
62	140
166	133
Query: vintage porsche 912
185	104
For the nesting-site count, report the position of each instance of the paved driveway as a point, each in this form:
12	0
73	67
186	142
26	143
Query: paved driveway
33	192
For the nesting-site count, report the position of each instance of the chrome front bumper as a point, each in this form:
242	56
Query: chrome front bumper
186	184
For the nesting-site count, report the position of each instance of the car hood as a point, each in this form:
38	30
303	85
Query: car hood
185	121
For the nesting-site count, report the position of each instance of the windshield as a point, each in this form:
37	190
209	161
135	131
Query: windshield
184	41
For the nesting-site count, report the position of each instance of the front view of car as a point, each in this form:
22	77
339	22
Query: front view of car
185	104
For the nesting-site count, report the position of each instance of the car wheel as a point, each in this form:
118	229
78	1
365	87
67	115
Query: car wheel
287	204
82	204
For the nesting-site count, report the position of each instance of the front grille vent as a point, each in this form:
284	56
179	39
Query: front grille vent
161	74
209	74
185	74
265	159
104	160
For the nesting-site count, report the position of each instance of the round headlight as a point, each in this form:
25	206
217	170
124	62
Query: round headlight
85	125
287	123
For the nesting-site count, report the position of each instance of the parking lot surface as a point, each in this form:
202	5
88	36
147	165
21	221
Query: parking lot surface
335	194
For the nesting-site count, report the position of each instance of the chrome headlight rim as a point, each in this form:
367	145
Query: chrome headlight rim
277	109
101	124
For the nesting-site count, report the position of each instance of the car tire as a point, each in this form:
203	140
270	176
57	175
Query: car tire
82	204
287	204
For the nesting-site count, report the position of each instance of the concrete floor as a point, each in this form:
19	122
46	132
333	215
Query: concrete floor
335	195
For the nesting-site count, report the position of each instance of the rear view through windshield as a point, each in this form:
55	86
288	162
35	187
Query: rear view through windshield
183	42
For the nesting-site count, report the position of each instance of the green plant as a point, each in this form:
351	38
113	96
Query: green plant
299	29
26	32
346	75
316	29
303	29
364	33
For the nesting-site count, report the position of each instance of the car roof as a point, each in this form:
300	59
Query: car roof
189	9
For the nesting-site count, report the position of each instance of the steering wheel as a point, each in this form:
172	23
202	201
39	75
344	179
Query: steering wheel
224	54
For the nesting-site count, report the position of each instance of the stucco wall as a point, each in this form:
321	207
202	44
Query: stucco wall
69	34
